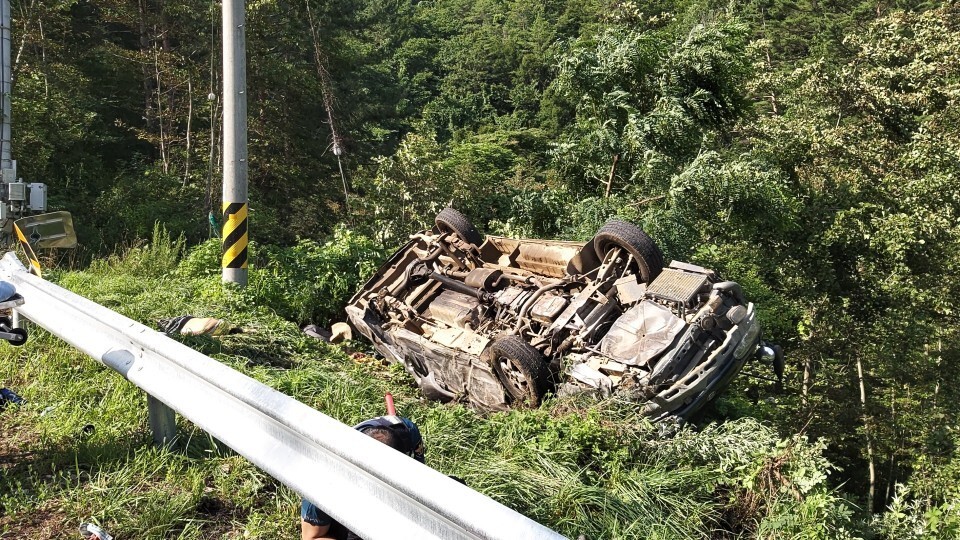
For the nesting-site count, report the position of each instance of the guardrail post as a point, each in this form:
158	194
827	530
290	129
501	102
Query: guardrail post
163	421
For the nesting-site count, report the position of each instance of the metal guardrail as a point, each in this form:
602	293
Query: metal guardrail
370	488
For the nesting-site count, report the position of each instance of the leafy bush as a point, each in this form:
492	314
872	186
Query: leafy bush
201	260
480	176
909	518
774	488
583	467
311	281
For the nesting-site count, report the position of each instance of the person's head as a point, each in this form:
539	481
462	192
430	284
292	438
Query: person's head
396	432
384	435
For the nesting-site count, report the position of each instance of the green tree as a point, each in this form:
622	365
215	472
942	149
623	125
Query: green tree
871	147
645	110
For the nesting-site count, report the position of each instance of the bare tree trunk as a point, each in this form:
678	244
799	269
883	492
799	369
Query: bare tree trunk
891	479
164	27
148	82
613	170
25	25
866	429
766	50
936	388
43	61
25	16
810	362
807	379
186	165
163	141
773	97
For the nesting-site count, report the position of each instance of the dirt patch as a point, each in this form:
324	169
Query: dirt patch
41	524
16	441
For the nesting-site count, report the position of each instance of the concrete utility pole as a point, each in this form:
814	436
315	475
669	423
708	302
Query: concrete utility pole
235	232
6	85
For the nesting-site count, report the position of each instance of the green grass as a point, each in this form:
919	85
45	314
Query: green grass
580	467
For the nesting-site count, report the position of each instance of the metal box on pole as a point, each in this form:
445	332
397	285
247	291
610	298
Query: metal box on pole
38	197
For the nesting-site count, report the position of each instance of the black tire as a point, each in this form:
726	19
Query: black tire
21	337
623	234
521	369
452	221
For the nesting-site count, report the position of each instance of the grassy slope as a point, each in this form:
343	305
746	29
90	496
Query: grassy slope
581	468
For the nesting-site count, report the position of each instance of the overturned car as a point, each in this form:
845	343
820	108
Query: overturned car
498	322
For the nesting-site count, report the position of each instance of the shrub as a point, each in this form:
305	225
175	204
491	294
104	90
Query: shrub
311	282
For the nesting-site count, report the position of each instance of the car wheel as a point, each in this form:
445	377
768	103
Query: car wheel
617	233
452	221
521	369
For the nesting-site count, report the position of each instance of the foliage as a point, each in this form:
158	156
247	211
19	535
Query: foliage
909	518
857	141
477	175
643	109
201	260
158	257
776	488
311	281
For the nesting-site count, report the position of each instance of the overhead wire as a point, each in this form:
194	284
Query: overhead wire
326	88
212	227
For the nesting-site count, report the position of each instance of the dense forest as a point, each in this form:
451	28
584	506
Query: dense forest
808	149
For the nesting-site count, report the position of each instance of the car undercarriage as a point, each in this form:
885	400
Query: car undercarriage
498	322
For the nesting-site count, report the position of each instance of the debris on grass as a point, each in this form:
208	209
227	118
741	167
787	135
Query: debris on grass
338	333
188	325
8	396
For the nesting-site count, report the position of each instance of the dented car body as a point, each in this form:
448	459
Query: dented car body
498	322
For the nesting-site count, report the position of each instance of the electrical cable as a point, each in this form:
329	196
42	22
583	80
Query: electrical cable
326	88
212	230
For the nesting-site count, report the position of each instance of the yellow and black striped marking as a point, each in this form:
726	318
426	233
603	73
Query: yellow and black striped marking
28	251
235	236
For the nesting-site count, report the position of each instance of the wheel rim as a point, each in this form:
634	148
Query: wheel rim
418	367
515	381
629	264
445	228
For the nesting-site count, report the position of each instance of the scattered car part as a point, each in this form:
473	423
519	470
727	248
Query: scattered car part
317	332
340	332
89	531
188	325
